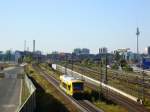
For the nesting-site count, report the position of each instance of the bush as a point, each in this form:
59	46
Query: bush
115	66
128	68
31	71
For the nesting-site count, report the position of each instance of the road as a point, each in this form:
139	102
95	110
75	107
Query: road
10	88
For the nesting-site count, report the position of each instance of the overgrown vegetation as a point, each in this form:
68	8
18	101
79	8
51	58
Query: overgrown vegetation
98	99
102	102
47	97
124	85
28	59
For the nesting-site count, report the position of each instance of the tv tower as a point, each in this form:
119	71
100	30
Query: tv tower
137	34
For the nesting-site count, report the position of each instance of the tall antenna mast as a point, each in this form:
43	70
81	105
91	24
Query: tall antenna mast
137	34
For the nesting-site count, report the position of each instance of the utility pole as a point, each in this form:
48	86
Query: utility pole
101	78
106	79
72	63
143	97
66	64
143	89
72	60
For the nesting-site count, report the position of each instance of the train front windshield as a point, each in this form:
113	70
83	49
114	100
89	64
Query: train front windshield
77	86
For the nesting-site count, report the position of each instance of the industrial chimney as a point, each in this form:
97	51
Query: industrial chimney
33	45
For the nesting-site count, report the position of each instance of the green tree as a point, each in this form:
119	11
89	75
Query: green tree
117	57
123	63
28	59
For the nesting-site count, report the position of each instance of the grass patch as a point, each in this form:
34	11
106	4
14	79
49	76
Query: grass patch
109	108
102	102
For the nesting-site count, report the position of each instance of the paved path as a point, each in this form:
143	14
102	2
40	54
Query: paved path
10	92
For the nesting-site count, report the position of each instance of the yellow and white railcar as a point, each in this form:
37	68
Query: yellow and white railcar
71	85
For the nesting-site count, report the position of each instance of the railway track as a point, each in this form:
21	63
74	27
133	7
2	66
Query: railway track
119	99
132	106
83	105
114	75
87	105
118	77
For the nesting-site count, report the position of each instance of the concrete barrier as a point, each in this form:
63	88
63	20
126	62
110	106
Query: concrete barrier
30	104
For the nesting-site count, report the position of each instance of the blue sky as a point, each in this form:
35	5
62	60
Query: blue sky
63	25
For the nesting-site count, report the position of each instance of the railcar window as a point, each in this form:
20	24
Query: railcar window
64	85
78	86
69	87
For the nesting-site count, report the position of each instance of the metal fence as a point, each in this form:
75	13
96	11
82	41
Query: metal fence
30	104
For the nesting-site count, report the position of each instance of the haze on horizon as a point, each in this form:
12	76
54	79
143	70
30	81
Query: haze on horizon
63	25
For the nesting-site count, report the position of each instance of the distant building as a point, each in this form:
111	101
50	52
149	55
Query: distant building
55	52
85	51
37	53
79	51
38	56
1	56
103	50
19	56
148	50
129	56
146	63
